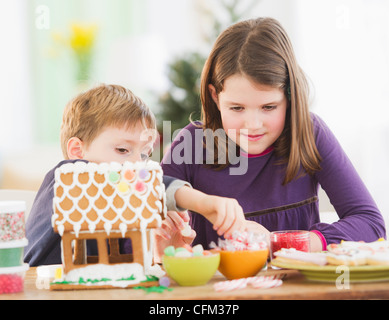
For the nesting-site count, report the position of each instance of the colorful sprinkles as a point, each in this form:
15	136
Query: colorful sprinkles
12	243
12	226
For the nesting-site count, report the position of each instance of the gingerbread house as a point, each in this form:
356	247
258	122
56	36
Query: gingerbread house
107	202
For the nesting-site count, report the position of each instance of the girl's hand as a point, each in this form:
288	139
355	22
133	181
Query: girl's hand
252	226
169	234
225	214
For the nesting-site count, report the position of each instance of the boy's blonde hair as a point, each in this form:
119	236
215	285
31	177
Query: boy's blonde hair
104	106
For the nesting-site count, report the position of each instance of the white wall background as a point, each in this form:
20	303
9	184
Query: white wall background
343	46
15	107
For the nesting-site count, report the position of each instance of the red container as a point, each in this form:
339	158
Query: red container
298	239
12	279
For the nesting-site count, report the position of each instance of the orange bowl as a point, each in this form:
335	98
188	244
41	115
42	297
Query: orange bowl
242	264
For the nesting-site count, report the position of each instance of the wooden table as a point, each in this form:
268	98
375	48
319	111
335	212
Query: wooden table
294	287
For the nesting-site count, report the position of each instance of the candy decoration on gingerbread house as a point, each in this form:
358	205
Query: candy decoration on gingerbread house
106	202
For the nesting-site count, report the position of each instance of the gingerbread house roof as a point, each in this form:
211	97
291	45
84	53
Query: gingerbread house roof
90	197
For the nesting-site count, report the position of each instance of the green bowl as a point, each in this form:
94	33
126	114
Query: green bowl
192	271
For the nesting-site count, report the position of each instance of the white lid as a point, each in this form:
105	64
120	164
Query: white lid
14	244
12	206
23	267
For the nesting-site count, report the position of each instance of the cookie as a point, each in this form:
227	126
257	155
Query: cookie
300	257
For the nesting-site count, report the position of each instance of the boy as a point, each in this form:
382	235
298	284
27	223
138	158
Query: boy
109	123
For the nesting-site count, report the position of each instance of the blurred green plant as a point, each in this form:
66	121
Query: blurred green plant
81	42
183	98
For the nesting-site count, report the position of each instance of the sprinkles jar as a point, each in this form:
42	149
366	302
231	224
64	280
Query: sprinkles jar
12	226
297	239
12	243
12	279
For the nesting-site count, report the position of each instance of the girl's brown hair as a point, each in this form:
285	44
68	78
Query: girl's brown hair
104	106
260	49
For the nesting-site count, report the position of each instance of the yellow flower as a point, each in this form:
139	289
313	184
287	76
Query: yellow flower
80	41
83	37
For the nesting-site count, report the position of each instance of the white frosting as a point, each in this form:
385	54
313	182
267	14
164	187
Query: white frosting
113	272
312	257
370	247
143	173
103	274
155	172
155	270
355	256
359	252
346	252
380	256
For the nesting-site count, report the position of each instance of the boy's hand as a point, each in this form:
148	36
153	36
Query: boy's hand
225	214
169	234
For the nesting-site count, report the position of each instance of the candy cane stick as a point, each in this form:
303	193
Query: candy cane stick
266	284
262	282
231	285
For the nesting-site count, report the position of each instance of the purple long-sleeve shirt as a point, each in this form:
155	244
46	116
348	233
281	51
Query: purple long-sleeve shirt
265	200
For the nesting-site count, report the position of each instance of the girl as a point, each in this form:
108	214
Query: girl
253	91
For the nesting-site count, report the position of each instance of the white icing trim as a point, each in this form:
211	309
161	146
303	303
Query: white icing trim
123	229
155	172
157	209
